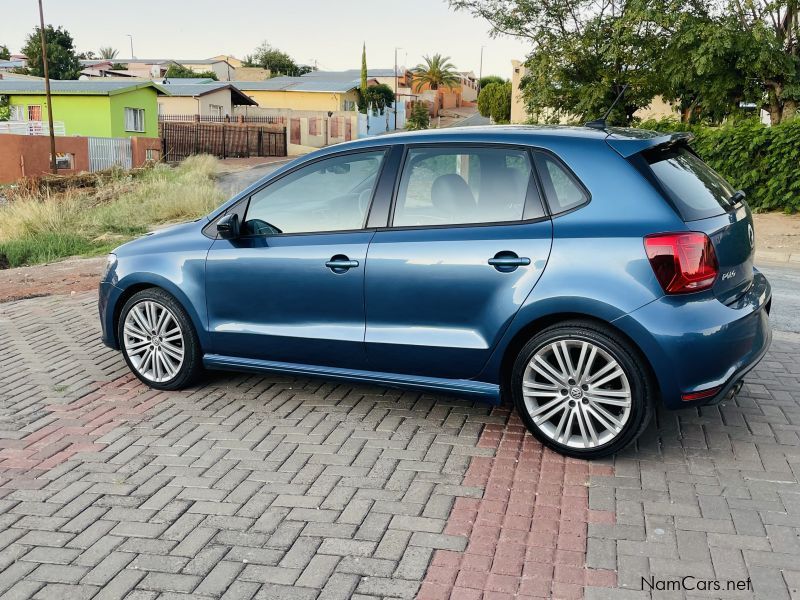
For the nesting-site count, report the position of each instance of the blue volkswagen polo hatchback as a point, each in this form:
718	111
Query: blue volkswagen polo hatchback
583	274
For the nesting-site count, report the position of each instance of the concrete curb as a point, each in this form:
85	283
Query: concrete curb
777	256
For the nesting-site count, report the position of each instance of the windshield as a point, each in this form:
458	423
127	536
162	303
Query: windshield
695	188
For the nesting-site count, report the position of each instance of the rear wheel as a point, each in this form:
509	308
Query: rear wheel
158	340
580	389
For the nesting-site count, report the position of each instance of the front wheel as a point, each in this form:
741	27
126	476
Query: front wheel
580	389
158	340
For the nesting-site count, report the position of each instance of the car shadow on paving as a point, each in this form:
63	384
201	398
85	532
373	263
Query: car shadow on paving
275	487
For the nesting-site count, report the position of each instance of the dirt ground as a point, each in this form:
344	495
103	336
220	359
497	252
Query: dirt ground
778	237
64	277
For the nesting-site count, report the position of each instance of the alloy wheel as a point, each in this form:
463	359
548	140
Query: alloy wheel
576	393
153	341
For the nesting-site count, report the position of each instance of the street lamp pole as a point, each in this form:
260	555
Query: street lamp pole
53	164
480	70
131	37
396	85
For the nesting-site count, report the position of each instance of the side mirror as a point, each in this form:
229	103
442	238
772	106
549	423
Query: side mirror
228	227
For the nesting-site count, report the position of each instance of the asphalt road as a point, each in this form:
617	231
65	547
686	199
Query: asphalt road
233	183
471	121
785	282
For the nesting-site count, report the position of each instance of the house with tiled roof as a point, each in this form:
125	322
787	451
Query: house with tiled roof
95	108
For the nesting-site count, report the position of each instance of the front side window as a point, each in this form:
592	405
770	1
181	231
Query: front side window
134	119
451	186
333	194
562	190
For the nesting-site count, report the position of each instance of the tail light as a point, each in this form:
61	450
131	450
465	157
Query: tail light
682	262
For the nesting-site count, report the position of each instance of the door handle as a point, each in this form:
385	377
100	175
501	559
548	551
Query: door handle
341	264
507	261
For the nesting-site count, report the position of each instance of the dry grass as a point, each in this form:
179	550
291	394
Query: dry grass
38	226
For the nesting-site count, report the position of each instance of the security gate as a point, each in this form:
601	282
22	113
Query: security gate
105	153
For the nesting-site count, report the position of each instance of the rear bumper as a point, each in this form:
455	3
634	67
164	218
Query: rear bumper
699	344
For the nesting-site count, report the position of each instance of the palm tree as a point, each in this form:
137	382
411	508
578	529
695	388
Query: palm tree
436	71
108	52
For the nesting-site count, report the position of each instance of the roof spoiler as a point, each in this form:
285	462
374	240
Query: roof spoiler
626	146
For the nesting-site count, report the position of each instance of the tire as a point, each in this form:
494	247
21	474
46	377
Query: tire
175	355
577	410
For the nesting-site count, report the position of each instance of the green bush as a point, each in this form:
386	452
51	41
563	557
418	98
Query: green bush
419	117
763	161
495	101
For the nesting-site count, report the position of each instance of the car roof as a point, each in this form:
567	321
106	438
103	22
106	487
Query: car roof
626	141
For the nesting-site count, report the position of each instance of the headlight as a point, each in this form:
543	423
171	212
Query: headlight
111	261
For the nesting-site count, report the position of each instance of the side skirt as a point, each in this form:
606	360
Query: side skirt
478	390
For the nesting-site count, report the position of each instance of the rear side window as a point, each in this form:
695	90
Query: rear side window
460	185
561	188
696	190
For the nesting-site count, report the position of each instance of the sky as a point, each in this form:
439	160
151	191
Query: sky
328	33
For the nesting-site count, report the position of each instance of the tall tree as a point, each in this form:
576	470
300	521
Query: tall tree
4	53
275	61
61	58
769	30
584	52
706	56
436	71
107	52
364	67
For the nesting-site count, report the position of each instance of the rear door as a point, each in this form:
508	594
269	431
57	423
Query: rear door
709	204
467	242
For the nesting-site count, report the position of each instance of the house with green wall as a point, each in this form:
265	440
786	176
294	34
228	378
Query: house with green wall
118	109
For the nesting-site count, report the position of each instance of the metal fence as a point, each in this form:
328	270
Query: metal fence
105	153
223	140
192	118
31	127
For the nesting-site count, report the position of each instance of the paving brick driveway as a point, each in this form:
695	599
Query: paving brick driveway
273	487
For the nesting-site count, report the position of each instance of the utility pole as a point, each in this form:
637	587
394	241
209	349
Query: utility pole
42	37
131	38
480	70
396	85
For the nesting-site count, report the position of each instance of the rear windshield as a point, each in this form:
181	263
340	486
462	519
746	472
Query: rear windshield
696	190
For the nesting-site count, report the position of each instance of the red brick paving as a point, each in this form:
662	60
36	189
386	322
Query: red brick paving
79	426
527	535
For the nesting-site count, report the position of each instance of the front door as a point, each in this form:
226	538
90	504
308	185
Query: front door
291	288
469	240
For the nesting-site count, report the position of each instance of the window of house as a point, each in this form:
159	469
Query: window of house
17	113
333	194
561	188
216	110
65	160
349	105
450	186
134	119
34	112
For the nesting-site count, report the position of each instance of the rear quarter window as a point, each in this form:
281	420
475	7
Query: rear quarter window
696	190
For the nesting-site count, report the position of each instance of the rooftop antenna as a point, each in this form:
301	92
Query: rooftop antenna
601	122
